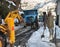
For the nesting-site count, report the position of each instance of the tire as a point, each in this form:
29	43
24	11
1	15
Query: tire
2	42
3	39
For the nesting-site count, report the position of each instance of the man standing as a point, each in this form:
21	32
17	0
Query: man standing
44	19
50	24
44	22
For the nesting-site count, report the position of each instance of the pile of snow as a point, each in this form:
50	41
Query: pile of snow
57	32
3	21
11	2
36	41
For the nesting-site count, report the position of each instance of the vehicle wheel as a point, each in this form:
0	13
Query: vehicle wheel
1	41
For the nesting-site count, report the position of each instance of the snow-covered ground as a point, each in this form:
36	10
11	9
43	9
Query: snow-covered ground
36	41
57	32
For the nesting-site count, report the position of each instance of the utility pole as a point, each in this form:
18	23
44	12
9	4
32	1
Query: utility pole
20	4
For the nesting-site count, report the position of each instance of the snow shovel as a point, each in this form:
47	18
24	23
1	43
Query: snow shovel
42	34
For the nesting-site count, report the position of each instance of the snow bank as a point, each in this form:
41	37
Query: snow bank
57	32
36	41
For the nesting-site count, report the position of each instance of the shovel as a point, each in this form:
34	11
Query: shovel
43	34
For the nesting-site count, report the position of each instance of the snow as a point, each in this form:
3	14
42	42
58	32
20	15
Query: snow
21	12
16	20
57	32
3	21
36	41
11	2
18	27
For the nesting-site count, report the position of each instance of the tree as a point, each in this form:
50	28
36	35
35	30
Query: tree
4	10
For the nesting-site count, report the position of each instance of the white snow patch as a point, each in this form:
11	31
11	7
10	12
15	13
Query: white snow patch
3	21
57	32
36	41
11	2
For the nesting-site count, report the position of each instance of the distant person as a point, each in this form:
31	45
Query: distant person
44	19
57	19
31	18
44	22
36	23
50	24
